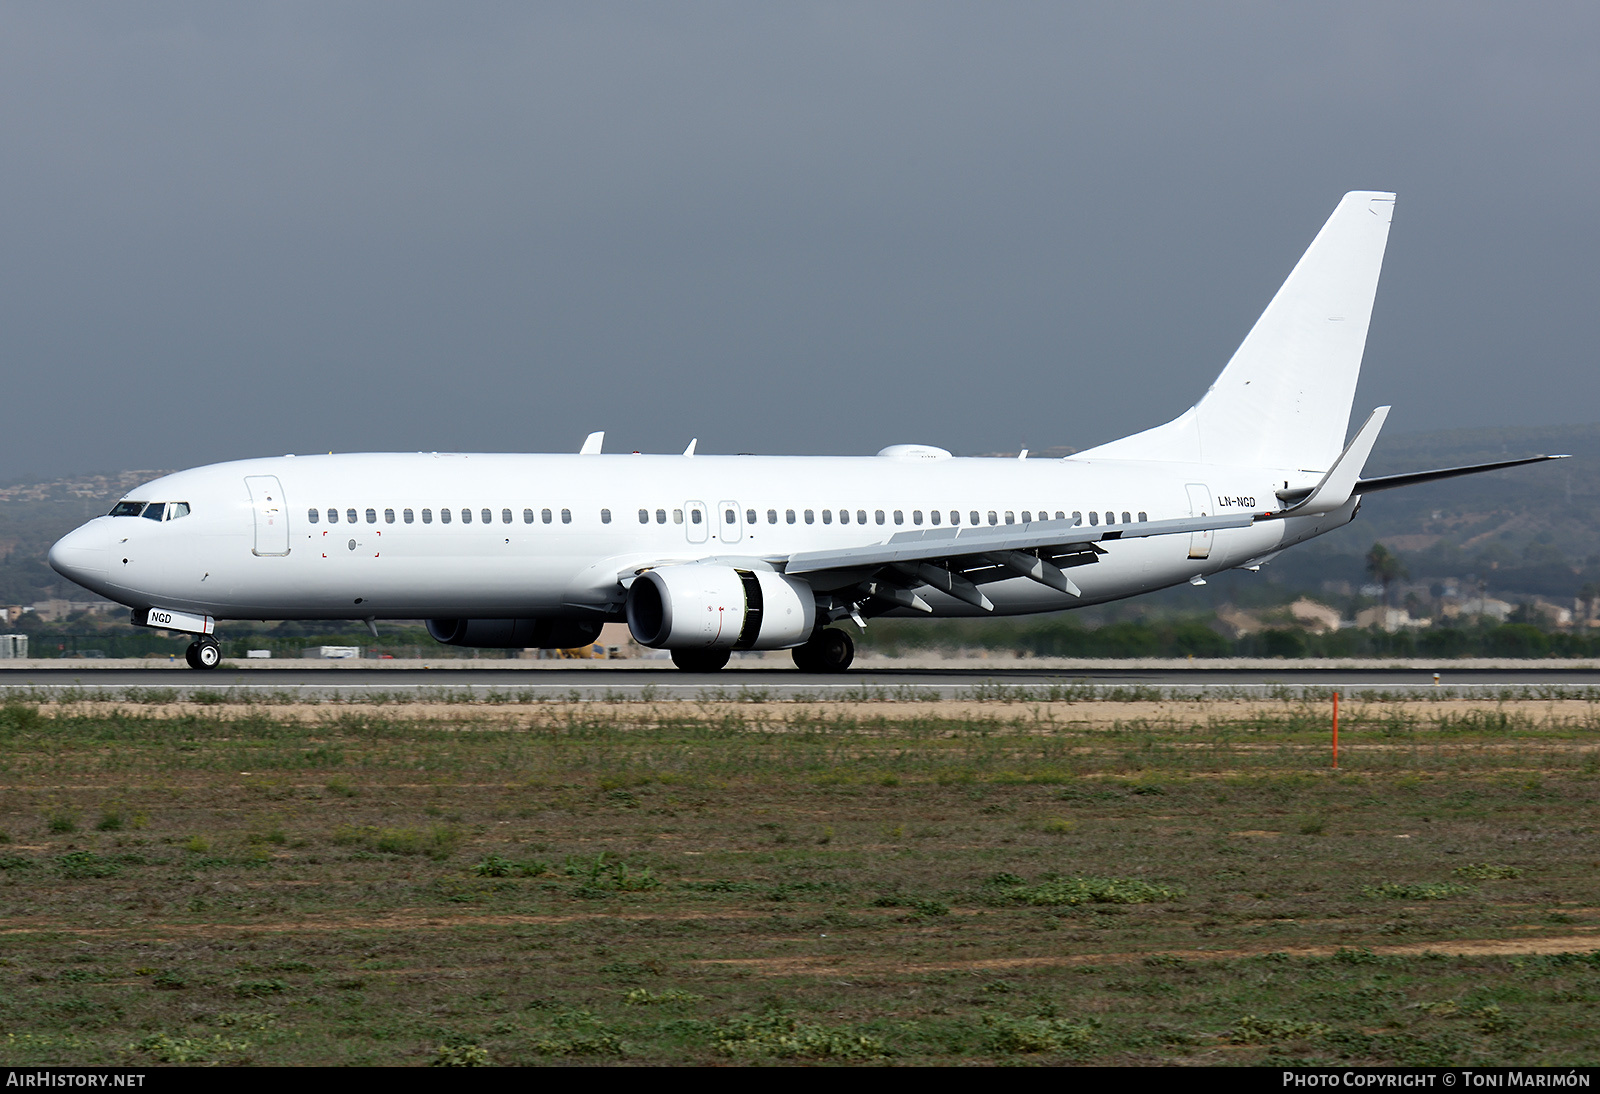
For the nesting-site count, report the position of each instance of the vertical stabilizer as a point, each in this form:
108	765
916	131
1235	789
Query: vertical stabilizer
1284	399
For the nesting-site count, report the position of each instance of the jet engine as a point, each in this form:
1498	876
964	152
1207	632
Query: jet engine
710	606
544	634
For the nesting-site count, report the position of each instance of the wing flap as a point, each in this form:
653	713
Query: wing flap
935	544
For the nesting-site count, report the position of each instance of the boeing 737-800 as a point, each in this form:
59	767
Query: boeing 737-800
703	555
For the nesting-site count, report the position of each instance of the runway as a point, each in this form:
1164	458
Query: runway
647	681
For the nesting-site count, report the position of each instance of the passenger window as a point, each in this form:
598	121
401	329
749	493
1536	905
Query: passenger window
788	516
1027	516
749	516
544	515
661	516
772	516
466	516
861	516
156	510
955	516
827	516
1126	517
933	516
993	518
1077	518
811	516
505	516
1060	515
974	516
372	516
877	515
427	516
1010	517
566	516
844	516
899	516
333	516
1142	517
349	516
677	516
444	516
488	516
1094	518
388	516
694	516
605	516
916	516
730	517
644	516
408	516
1111	518
312	515
527	516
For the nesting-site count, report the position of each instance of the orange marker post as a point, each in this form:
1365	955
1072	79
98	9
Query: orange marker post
1336	730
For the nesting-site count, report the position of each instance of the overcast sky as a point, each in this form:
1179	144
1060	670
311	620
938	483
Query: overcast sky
242	229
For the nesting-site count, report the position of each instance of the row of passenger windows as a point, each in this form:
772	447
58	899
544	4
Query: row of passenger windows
935	516
729	516
409	516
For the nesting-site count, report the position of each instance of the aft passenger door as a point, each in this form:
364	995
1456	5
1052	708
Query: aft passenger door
1199	506
271	515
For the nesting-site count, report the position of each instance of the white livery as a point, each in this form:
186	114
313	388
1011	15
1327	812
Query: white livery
706	554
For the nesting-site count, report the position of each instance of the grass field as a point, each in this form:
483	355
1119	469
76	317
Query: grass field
1106	879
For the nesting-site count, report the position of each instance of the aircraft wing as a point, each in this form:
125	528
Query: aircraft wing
956	561
945	543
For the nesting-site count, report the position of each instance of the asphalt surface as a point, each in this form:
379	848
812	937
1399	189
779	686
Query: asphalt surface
633	681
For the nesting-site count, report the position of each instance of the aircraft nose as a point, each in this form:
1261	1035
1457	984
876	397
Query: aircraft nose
81	555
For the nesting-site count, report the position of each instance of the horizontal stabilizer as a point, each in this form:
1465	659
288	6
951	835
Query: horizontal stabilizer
1390	482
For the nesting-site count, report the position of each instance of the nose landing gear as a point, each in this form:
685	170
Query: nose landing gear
203	653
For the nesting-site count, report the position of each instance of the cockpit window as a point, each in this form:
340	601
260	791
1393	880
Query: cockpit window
156	510
127	508
176	509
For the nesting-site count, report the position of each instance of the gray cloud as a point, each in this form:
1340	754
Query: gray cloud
235	230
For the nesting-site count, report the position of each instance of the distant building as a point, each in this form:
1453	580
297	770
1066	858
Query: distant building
54	611
1314	617
1476	607
1389	619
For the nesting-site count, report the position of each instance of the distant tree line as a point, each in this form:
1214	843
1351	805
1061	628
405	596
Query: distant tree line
1057	636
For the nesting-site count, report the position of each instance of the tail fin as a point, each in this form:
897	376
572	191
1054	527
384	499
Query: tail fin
1284	399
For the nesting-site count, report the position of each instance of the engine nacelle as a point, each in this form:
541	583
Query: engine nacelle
544	634
709	606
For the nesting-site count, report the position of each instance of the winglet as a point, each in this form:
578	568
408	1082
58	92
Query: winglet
690	450
592	443
1339	484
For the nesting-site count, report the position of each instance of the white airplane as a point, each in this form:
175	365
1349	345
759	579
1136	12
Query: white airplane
703	555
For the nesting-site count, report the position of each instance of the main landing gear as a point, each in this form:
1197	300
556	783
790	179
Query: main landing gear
827	651
203	653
